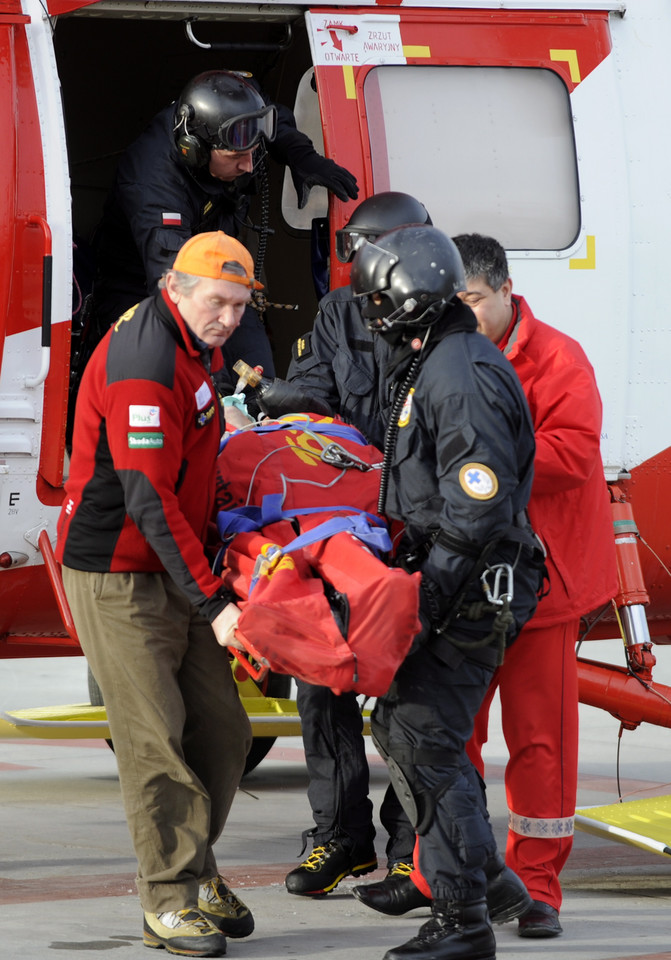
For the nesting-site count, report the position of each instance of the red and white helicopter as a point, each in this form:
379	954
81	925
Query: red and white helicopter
529	120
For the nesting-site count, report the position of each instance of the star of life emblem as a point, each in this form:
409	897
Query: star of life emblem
478	481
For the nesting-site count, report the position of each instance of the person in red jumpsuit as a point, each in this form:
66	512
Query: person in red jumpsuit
570	510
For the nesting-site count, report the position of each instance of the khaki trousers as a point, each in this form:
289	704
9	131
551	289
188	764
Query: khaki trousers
180	733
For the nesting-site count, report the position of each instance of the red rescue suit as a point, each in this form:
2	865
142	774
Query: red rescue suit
141	488
538	683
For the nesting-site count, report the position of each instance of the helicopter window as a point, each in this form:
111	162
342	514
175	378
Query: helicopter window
308	119
488	149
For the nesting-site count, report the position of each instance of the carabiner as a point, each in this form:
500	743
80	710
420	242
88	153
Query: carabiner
494	595
337	456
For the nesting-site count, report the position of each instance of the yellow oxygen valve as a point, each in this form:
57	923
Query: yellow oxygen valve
248	376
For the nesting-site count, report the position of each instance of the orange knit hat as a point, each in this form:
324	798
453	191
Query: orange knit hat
218	257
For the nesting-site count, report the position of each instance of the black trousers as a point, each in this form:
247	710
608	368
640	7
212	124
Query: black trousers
339	777
425	723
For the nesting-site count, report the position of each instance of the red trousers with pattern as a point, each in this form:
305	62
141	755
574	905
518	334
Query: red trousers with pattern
538	687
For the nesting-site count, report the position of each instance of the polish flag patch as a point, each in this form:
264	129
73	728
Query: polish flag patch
172	219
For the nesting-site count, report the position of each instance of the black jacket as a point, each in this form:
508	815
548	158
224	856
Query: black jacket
461	468
344	364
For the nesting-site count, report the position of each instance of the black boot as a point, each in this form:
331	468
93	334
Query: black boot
456	931
507	897
395	895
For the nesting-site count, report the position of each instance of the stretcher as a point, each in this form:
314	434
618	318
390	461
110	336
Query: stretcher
306	554
641	823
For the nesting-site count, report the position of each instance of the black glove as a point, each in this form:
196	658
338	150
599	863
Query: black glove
279	398
308	168
315	170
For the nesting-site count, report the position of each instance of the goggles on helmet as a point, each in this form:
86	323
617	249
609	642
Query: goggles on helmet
244	132
348	242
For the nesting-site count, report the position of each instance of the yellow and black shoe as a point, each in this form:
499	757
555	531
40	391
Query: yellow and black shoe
224	909
327	865
186	933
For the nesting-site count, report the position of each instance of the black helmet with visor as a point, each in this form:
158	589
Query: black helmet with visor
220	110
377	215
408	277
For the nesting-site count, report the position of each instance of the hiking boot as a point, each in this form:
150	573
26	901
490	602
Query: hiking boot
224	909
186	933
507	897
327	865
395	895
456	931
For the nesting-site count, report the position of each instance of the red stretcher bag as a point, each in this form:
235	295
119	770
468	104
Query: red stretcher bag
300	551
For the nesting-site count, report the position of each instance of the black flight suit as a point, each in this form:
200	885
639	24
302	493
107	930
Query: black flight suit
460	474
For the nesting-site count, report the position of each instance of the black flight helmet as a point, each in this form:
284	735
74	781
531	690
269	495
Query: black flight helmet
412	272
377	215
220	110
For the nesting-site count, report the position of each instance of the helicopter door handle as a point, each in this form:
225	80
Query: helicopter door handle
47	273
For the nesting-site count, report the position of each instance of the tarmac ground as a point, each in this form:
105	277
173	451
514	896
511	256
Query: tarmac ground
67	866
